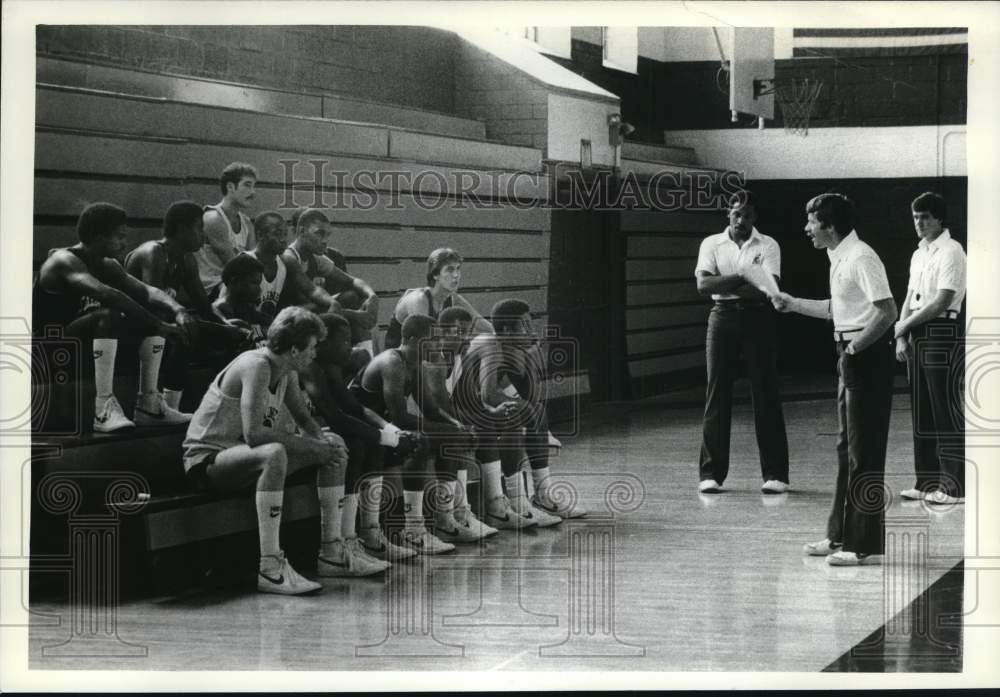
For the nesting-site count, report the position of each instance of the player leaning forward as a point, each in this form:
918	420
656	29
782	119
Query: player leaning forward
241	436
863	312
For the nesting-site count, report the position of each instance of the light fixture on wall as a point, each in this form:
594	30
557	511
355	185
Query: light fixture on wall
618	129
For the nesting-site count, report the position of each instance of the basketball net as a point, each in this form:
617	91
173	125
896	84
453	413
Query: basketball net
796	99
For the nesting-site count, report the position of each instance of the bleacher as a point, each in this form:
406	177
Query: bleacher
143	140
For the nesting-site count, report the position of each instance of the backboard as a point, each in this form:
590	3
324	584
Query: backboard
751	52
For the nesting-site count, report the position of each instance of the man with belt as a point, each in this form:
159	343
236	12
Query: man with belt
741	323
928	327
863	312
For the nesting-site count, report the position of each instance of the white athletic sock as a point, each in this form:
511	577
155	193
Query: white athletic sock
444	498
413	509
105	351
172	398
490	474
348	515
150	357
329	513
460	487
269	521
516	491
370	503
540	477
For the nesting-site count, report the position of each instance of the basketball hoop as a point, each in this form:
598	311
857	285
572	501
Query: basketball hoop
796	99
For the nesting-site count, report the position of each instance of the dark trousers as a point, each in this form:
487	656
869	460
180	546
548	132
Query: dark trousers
864	405
744	330
936	371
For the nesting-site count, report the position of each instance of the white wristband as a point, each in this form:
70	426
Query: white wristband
389	438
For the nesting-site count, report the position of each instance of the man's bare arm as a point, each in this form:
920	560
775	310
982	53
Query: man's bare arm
217	235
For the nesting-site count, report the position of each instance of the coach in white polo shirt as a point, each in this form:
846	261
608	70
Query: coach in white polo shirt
740	325
863	312
929	329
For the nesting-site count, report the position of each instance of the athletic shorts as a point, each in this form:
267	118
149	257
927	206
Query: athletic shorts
196	470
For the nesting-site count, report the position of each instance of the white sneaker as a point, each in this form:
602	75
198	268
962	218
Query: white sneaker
111	417
912	494
554	442
709	486
347	559
152	410
821	549
940	498
465	517
563	509
423	542
448	528
375	544
284	580
774	486
501	516
853	559
541	518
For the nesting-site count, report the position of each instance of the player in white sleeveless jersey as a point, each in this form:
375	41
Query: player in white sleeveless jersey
228	227
238	438
271	234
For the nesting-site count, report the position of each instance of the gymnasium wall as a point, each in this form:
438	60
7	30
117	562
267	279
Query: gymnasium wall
144	151
402	65
902	90
514	107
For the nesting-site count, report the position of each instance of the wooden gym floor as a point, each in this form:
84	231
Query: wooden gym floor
672	581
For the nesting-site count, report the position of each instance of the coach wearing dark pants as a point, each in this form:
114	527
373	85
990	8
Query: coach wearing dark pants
741	324
863	312
929	339
864	405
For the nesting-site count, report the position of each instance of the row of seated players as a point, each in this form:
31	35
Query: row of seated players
262	420
86	292
171	288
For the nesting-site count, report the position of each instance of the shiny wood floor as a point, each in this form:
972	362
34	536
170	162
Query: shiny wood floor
671	581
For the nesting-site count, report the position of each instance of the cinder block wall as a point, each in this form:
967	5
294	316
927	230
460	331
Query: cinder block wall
514	107
402	65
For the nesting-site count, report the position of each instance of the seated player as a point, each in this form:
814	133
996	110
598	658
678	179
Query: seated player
169	264
84	290
351	301
524	365
384	386
241	281
453	327
240	437
228	228
444	271
499	421
364	432
310	270
271	234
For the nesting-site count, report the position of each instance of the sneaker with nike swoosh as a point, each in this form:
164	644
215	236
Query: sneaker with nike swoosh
283	579
501	516
423	542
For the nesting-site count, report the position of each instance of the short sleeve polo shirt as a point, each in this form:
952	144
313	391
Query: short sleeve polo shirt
857	281
719	255
934	266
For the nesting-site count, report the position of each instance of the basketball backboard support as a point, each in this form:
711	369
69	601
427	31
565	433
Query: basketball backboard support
751	72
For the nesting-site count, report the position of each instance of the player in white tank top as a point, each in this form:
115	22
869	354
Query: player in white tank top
222	242
238	438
